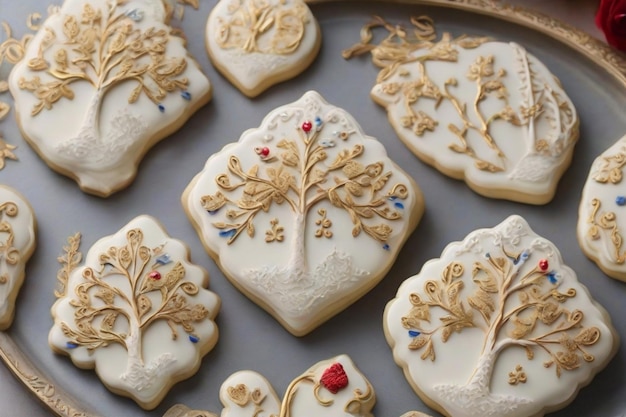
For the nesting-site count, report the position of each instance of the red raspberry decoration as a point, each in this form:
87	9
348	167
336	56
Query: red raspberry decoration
544	265
334	378
155	275
265	151
307	126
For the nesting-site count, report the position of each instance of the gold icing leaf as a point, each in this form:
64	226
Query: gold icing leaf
71	258
239	394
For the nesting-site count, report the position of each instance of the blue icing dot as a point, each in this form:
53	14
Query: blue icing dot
228	233
414	333
163	259
620	200
552	277
399	205
161	108
386	247
193	339
393	198
186	95
71	345
318	121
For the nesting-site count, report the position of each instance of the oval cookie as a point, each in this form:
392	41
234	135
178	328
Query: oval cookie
304	214
137	311
530	334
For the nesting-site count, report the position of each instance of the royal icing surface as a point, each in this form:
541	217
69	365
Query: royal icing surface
137	311
17	243
101	83
257	44
334	387
530	333
486	112
305	213
600	226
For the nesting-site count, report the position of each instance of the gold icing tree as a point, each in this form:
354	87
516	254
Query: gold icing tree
516	305
103	49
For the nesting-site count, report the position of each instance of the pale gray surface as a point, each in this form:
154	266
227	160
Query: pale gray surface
250	339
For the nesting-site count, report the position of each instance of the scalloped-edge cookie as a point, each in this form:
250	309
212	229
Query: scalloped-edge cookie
17	242
137	311
102	82
530	334
258	44
304	214
600	225
486	112
334	387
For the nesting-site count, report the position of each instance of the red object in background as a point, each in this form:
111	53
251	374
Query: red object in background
611	19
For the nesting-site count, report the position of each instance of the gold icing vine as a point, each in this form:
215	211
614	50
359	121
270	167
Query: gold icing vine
497	281
9	255
606	221
251	19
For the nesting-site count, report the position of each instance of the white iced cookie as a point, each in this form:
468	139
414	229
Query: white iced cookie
530	334
17	243
600	225
137	311
486	112
333	387
100	84
256	44
304	214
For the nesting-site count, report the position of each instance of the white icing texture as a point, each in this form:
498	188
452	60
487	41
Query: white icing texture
305	213
17	243
530	333
601	218
137	311
486	112
257	44
334	387
100	84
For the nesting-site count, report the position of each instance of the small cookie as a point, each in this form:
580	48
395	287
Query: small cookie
333	387
17	243
488	113
530	334
600	226
137	311
304	214
100	84
258	44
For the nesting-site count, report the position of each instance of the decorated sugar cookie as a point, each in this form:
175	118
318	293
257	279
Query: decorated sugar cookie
530	334
333	387
137	311
486	112
601	225
256	44
17	243
304	214
100	84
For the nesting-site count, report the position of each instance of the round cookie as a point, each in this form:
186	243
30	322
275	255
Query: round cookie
530	334
258	44
17	242
137	311
304	214
100	84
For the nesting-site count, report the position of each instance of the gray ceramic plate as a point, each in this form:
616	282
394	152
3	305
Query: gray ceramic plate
249	338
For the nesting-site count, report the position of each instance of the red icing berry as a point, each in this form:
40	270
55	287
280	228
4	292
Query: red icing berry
543	265
155	275
334	378
307	126
265	151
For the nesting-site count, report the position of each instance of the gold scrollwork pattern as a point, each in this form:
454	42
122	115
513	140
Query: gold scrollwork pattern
9	255
611	169
250	19
518	376
606	221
